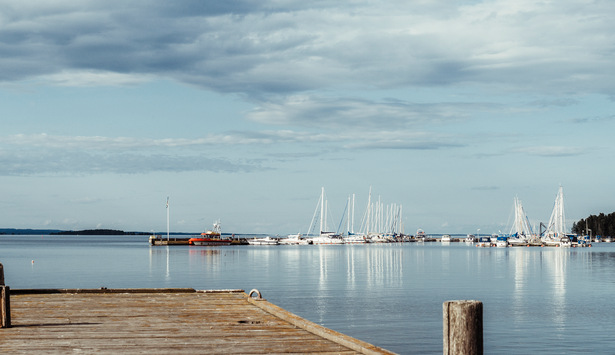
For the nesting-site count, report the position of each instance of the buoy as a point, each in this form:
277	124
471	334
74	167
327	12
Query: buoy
32	261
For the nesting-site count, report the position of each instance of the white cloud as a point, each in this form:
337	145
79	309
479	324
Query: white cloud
93	78
552	151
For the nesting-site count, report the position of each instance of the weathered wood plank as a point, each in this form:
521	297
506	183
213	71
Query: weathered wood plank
155	323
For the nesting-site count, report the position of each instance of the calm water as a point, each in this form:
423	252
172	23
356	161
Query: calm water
535	300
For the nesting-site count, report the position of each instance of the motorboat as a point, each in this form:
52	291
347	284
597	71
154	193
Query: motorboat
328	238
294	239
501	242
420	235
263	241
355	239
484	242
565	242
470	238
211	237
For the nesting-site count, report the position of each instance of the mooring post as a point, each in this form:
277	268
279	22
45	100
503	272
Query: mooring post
463	327
5	301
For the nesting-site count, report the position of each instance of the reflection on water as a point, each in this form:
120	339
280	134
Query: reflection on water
556	262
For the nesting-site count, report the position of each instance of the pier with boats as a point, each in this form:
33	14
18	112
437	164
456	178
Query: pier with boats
382	224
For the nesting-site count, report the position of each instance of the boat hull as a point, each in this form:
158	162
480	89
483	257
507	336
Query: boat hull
209	241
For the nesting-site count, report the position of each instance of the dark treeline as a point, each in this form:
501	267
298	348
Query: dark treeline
603	225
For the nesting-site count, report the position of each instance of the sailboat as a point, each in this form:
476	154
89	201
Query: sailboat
351	237
521	232
556	229
324	236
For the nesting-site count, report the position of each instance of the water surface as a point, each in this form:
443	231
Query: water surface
535	300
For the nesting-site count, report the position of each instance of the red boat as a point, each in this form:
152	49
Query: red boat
211	237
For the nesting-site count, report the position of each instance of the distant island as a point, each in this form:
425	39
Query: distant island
98	232
27	231
14	231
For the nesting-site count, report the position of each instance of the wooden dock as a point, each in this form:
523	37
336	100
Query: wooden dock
163	321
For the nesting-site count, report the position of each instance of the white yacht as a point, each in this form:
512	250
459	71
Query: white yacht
263	241
294	239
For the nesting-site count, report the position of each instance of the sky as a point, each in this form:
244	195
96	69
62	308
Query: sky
242	110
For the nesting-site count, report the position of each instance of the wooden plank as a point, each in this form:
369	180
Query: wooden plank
155	323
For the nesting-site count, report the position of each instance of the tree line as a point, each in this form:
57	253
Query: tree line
603	225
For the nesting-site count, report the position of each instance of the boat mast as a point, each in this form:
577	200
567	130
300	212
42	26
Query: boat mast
167	218
557	222
369	212
352	225
348	216
322	208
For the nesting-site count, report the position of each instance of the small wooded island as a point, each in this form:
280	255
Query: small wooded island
98	232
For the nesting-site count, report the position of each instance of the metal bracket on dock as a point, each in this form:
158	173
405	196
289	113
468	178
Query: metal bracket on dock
258	294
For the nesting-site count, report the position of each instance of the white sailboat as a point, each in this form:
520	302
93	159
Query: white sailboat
556	229
351	237
324	237
521	231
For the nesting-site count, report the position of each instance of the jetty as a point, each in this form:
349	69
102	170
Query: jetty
160	321
188	321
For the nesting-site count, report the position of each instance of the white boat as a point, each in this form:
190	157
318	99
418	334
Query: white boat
501	242
521	231
484	242
420	235
564	242
556	229
327	238
263	241
294	239
355	239
470	238
378	238
445	238
323	237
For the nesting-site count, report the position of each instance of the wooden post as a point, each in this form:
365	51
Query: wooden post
5	306
5	301
463	327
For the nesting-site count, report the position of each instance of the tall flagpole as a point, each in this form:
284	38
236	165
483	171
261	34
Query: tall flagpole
167	218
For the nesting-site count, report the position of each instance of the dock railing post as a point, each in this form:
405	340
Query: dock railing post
5	301
463	327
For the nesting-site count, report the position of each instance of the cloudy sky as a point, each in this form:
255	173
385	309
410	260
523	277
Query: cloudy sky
242	110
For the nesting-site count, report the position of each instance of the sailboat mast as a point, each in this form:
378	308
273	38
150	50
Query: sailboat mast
322	208
369	212
348	216
352	225
167	218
